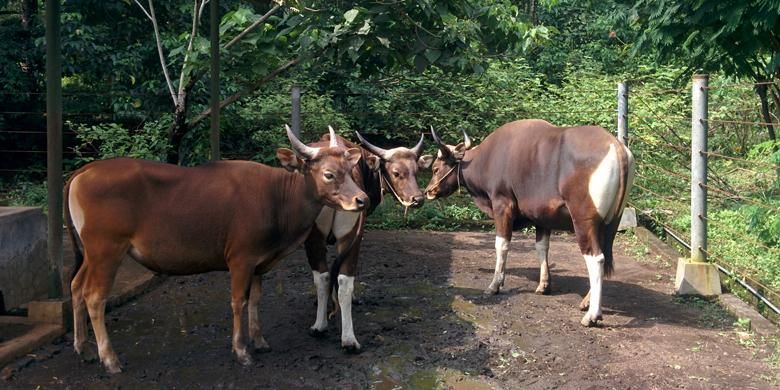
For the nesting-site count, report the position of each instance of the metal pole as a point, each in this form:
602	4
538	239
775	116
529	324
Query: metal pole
295	120
54	146
699	169
622	118
214	85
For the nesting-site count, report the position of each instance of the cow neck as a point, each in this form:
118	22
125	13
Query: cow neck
466	177
298	183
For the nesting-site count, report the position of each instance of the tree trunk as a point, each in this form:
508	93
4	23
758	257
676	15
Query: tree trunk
177	132
761	91
29	10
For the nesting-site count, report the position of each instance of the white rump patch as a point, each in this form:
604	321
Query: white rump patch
76	212
604	184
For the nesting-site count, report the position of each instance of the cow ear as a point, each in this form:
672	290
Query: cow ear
288	159
425	161
459	151
353	156
373	162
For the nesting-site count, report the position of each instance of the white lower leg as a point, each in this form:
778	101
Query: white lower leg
239	345
502	249
346	287
595	266
322	281
542	250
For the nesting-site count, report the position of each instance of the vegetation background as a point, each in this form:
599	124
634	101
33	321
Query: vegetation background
136	84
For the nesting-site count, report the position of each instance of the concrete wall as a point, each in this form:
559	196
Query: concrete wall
24	265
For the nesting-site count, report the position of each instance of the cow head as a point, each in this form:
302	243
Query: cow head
398	168
446	172
327	169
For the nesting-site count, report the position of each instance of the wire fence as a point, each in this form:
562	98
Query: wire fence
742	178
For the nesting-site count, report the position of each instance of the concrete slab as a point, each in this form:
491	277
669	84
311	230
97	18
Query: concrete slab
696	278
39	334
24	267
740	309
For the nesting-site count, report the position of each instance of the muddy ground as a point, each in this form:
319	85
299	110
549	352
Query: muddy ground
424	323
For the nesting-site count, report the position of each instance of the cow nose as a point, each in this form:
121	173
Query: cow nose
418	200
361	202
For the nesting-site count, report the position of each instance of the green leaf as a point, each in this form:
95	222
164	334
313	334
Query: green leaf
384	41
365	29
420	63
432	55
350	15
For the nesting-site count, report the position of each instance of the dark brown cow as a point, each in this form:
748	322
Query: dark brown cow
394	170
235	216
530	172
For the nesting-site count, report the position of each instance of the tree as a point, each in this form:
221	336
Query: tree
263	42
738	37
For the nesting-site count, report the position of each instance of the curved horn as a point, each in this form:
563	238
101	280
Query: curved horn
466	140
442	145
299	147
334	140
417	149
382	153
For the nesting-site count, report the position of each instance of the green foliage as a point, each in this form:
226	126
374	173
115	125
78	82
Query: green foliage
27	193
113	140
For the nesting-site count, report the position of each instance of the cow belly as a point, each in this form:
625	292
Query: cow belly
338	223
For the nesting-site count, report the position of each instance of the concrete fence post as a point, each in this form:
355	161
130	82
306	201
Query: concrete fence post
214	84
54	182
295	119
694	275
622	117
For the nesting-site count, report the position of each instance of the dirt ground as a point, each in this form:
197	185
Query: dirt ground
424	323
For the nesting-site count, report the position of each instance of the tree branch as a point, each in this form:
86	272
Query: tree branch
160	53
143	9
252	26
246	91
196	12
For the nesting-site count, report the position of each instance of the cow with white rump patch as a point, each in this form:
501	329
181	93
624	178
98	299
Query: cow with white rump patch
380	170
236	216
531	173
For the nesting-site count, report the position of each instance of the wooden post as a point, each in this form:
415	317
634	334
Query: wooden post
54	182
295	120
622	117
214	85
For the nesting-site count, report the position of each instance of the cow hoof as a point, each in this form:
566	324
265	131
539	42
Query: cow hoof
244	359
87	354
492	290
113	367
317	333
351	348
543	290
588	321
584	306
262	346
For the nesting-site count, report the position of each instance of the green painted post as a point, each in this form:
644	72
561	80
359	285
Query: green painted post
54	146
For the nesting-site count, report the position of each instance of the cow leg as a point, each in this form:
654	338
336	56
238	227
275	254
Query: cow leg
101	267
542	250
80	316
345	228
503	215
316	252
255	332
240	278
587	238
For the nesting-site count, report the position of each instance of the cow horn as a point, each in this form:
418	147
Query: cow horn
299	147
382	153
334	140
442	145
417	149
466	140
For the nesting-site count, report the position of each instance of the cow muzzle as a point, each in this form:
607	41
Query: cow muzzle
356	203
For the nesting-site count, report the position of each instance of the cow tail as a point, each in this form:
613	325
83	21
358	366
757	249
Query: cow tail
78	254
611	228
334	268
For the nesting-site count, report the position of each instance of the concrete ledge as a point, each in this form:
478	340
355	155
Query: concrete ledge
741	309
695	278
39	335
51	311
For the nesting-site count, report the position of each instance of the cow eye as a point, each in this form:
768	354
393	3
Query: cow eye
396	174
435	170
328	176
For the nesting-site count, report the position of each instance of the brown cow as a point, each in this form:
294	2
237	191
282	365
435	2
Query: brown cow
531	173
235	216
393	170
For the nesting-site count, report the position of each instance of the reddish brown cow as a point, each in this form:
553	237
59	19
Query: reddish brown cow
531	173
393	170
235	216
